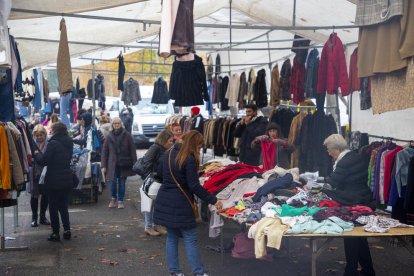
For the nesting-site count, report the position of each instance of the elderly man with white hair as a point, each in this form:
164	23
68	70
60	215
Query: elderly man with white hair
349	183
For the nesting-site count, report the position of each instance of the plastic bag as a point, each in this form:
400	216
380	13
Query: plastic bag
43	176
146	202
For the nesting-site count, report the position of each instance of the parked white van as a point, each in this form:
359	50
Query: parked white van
149	118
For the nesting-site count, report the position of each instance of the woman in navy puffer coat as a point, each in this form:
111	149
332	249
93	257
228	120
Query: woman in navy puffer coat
173	209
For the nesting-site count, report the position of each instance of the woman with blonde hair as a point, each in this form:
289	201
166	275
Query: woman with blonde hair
36	190
177	131
175	207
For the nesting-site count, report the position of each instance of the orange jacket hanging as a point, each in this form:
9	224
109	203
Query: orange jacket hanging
5	180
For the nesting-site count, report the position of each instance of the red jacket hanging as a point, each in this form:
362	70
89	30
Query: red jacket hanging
354	80
297	80
332	72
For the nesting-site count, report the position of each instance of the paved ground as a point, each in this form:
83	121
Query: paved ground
112	242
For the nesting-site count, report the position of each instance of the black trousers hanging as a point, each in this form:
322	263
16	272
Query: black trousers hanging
34	204
58	204
357	251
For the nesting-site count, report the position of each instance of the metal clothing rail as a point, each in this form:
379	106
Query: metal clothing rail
156	47
305	106
390	138
170	64
3	247
197	25
240	42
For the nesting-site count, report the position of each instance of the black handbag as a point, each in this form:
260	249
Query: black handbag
140	167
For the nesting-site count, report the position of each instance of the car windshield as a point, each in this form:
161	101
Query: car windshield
146	107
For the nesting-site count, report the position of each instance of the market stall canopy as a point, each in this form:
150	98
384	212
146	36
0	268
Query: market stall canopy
253	23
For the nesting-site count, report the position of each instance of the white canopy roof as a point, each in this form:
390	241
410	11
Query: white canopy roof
41	27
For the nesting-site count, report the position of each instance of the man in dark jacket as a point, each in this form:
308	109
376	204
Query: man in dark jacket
247	129
349	183
59	179
197	120
127	118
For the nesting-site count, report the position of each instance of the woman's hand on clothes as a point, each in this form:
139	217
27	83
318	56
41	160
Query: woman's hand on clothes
279	142
219	205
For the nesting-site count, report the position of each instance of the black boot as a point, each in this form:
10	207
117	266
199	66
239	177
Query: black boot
54	237
67	235
43	220
34	223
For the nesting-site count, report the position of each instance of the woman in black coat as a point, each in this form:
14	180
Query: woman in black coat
118	156
59	178
152	160
174	207
349	183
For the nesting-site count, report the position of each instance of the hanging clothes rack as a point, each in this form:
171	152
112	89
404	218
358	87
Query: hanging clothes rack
390	138
156	47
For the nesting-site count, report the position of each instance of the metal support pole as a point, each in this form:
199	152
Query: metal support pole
294	13
3	238
222	245
231	40
2	242
15	218
268	52
93	93
338	112
350	113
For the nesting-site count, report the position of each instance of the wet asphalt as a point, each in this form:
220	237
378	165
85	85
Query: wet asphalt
112	242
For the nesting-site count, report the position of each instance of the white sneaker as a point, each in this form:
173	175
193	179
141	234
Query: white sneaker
112	204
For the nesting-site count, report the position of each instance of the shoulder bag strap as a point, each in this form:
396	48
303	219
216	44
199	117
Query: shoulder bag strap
193	206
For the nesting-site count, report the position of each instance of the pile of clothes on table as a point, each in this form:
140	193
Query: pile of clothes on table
278	202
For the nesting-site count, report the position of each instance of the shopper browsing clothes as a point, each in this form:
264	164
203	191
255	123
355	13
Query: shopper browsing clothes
197	120
85	125
175	207
152	160
275	150
37	191
127	118
53	119
176	130
247	130
349	183
118	157
59	180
